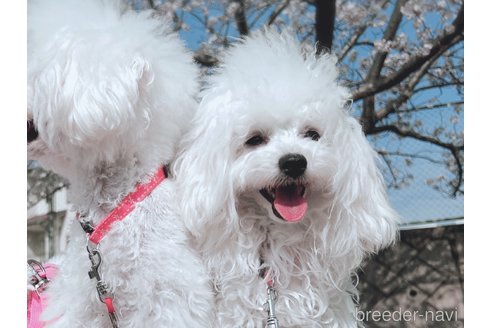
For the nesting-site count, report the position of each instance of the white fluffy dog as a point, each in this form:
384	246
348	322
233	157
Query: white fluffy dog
109	95
278	183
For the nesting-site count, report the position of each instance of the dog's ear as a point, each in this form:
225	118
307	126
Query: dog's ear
361	190
83	104
204	183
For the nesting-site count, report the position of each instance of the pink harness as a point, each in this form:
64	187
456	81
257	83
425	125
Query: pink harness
36	301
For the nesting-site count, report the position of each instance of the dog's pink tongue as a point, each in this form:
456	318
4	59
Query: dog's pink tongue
289	203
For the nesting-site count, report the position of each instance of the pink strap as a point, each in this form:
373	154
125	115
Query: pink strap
109	304
126	206
36	303
34	309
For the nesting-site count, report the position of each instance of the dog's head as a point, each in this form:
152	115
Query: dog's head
273	138
104	86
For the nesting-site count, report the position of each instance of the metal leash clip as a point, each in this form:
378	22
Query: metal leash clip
85	223
39	279
269	306
103	291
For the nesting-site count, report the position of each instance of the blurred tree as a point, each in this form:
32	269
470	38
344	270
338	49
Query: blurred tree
41	184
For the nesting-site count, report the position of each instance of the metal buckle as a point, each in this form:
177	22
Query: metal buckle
39	279
86	224
269	307
102	288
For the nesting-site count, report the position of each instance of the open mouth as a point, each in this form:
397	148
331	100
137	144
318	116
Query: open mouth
288	202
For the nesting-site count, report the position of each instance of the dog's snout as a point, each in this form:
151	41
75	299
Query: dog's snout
293	165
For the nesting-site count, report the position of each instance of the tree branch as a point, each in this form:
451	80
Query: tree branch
261	10
325	24
277	12
240	16
430	107
427	158
407	92
447	40
368	117
388	164
440	85
389	35
351	42
414	135
453	149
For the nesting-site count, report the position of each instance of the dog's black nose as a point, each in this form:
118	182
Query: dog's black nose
293	165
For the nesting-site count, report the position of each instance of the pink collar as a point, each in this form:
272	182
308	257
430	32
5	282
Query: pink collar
125	207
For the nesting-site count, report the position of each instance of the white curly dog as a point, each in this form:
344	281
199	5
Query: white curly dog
280	188
109	95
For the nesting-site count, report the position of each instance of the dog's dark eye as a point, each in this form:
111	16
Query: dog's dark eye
32	133
313	134
256	140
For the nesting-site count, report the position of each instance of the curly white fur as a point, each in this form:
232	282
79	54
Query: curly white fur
269	87
110	94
